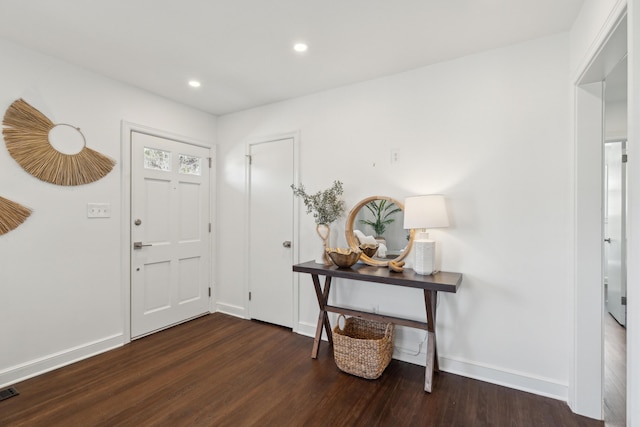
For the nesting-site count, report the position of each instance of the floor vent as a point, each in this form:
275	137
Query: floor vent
8	392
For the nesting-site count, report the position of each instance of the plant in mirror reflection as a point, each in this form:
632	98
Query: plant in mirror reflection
382	211
326	206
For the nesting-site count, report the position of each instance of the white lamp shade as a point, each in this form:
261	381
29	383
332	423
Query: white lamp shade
425	212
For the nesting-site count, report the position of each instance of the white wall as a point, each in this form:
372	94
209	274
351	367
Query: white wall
60	277
491	132
615	120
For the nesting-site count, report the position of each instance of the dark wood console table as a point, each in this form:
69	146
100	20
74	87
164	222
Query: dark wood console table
442	281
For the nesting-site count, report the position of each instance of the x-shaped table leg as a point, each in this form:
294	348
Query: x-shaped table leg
323	318
430	299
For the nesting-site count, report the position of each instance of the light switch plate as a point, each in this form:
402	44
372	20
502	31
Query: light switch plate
98	210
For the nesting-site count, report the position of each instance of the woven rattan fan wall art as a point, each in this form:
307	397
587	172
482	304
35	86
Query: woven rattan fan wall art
26	134
12	214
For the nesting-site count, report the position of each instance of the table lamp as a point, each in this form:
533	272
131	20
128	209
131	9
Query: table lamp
423	212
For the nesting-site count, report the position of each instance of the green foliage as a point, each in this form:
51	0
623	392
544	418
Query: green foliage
382	210
326	205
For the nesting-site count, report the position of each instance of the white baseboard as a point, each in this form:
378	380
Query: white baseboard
513	379
409	355
53	361
307	329
495	375
231	310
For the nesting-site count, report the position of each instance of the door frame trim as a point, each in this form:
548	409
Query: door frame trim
586	384
295	135
126	129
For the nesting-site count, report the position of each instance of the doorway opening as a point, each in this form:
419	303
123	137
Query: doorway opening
615	243
599	92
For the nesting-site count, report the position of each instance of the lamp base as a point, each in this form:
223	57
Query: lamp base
425	254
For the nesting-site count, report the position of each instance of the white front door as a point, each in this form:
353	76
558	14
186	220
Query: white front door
170	250
614	245
271	231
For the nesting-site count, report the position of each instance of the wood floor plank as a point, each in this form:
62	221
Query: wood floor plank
615	373
218	370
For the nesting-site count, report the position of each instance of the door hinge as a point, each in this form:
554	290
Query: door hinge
624	158
209	162
249	157
249	296
209	291
623	300
209	227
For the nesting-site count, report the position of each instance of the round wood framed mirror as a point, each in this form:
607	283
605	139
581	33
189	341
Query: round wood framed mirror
379	219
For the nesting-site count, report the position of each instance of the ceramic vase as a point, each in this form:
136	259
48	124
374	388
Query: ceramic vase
323	230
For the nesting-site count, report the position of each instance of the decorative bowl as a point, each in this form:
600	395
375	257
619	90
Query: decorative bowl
343	257
369	249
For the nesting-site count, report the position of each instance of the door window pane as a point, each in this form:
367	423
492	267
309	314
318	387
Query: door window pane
190	165
157	159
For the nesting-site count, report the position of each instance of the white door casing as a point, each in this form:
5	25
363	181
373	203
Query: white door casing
272	231
607	49
170	218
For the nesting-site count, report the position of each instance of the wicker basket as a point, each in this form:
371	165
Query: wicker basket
364	347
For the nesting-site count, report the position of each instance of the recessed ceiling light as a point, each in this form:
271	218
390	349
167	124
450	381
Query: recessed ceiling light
194	83
300	47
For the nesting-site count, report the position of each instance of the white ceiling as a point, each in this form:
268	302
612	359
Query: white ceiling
241	50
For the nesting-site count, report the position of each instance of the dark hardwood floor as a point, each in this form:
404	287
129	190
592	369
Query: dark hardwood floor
221	371
615	373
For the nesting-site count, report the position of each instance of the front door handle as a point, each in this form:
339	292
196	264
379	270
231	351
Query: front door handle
608	240
139	245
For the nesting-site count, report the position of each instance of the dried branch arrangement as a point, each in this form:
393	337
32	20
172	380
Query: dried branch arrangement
27	137
326	205
12	214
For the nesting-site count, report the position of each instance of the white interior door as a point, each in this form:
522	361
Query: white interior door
170	250
271	231
614	245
